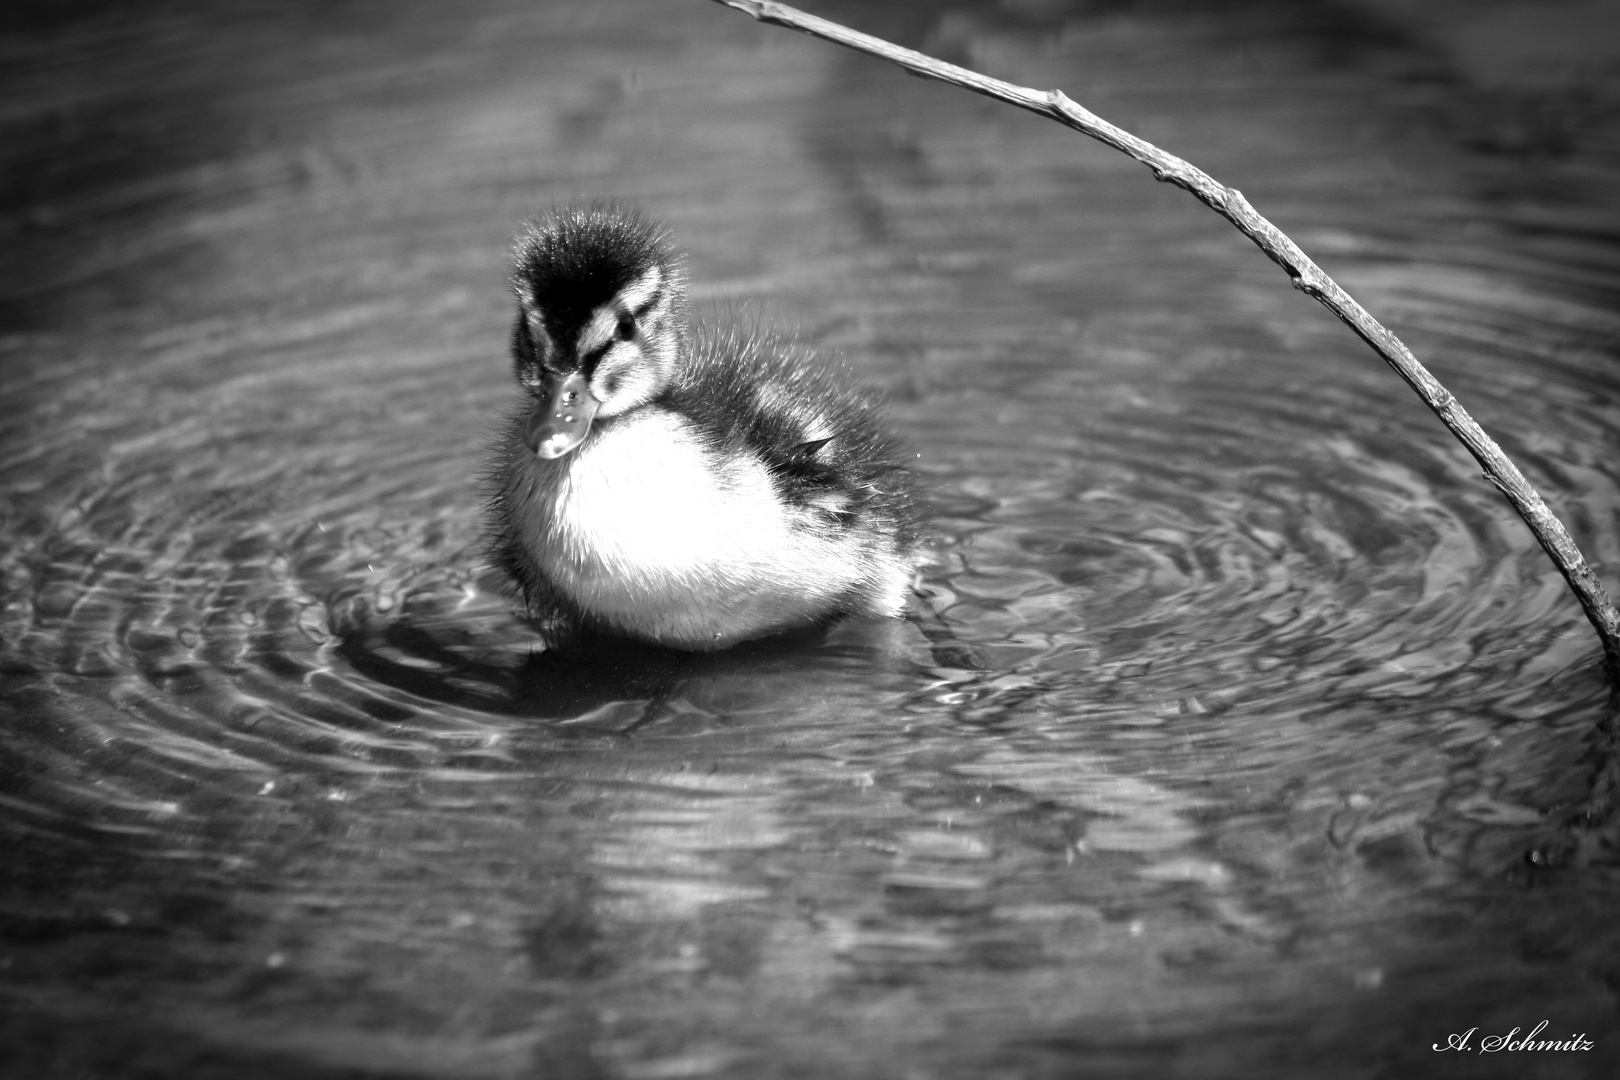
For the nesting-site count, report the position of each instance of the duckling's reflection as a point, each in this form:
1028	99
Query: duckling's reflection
464	663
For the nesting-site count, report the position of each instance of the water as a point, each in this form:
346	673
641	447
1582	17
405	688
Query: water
1242	700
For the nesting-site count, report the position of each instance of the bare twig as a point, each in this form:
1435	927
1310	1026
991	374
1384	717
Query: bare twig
1306	275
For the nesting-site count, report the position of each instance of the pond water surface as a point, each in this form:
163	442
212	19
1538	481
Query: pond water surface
1241	729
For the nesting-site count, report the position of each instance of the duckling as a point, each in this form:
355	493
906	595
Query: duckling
690	487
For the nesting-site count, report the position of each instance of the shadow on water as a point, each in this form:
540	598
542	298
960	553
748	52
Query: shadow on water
440	661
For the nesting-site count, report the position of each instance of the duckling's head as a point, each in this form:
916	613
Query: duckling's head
598	330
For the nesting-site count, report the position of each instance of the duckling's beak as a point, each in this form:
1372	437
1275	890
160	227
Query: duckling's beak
562	415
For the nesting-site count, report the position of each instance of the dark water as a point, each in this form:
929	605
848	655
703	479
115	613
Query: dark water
1246	697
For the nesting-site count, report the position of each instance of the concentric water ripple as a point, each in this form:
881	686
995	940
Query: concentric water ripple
1220	535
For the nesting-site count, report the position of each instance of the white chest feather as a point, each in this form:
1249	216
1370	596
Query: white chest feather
649	531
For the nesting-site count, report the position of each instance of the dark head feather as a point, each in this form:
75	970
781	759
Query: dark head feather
577	258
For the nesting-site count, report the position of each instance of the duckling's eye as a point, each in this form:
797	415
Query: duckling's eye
627	326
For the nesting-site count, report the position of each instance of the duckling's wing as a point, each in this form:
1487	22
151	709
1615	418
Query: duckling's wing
806	418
